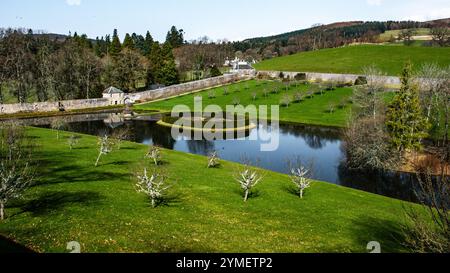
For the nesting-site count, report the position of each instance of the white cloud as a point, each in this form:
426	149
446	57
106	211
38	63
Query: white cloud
73	2
374	2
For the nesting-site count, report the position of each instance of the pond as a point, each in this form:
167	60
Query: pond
320	145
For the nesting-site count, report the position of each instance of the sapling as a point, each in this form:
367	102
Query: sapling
331	108
310	94
298	97
285	100
226	91
299	176
72	141
236	101
254	95
154	185
265	92
154	153
104	144
57	125
213	160
211	94
248	179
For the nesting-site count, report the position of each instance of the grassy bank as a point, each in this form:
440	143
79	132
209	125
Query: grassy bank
99	207
353	59
313	110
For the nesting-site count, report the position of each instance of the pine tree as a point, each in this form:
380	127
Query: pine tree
175	37
115	47
156	63
169	70
405	121
128	42
148	44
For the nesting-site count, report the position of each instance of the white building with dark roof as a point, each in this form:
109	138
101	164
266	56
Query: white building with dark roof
114	95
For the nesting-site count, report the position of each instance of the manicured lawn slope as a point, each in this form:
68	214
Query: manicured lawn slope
310	111
353	59
99	207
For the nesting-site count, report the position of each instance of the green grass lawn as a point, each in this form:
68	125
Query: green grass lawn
353	59
99	207
311	111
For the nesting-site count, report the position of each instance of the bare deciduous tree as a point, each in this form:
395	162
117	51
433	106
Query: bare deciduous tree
367	146
154	153
213	160
104	145
431	80
430	231
154	186
72	141
58	124
16	172
248	178
299	176
369	97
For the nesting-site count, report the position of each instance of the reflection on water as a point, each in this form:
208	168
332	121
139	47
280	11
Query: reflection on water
320	145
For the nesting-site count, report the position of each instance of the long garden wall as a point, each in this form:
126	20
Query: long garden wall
311	76
166	92
184	88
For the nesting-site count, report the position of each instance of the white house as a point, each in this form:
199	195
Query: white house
238	65
114	95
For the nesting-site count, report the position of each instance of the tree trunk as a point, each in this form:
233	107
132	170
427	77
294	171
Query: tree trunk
301	193
153	203
2	211
98	159
246	196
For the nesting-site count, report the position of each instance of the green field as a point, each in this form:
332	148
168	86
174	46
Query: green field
99	208
310	111
353	59
395	33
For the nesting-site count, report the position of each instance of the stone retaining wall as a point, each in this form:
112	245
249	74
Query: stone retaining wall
166	92
312	76
180	89
42	107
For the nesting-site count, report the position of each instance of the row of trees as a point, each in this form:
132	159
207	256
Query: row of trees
39	67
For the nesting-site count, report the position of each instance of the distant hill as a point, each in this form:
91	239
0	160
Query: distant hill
389	25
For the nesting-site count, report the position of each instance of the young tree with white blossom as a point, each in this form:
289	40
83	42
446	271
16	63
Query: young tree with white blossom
213	160
300	177
105	147
154	185
248	179
154	153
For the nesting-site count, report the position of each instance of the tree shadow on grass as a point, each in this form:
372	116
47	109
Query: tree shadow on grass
74	174
295	191
253	194
9	246
170	200
50	202
116	163
388	233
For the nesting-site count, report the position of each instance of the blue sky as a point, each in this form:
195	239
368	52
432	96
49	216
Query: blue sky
231	19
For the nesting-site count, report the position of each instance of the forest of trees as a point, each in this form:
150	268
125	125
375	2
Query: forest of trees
41	67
